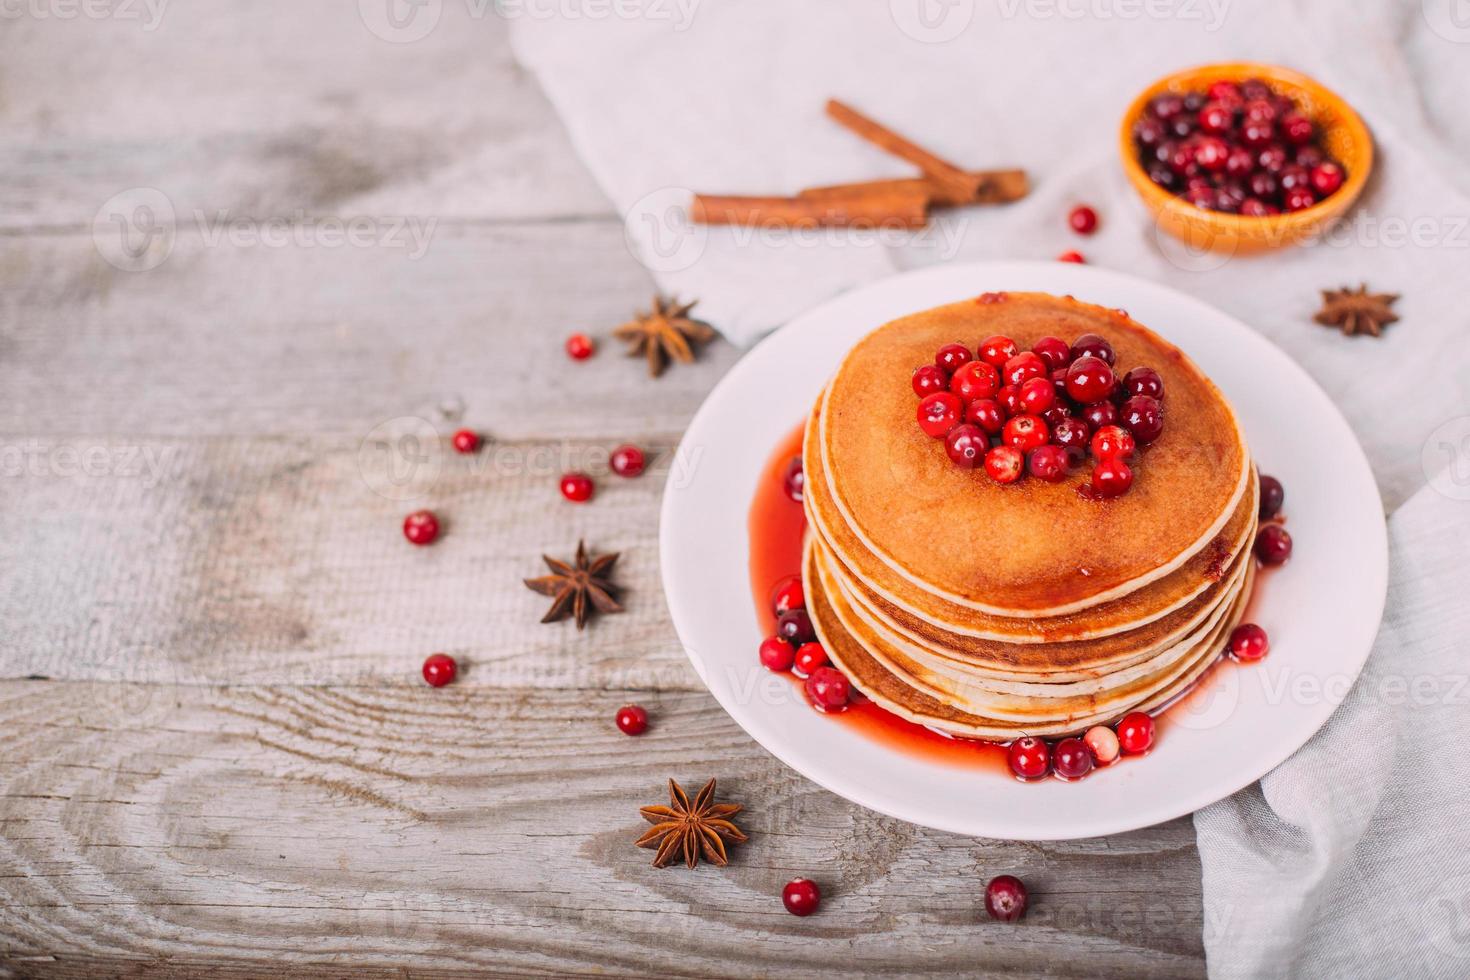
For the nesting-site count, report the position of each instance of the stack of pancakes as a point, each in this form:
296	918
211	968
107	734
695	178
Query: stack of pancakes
988	610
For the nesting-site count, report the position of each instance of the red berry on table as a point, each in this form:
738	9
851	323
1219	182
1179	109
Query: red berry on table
1073	435
987	414
1273	495
952	357
795	627
1136	733
579	347
1025	432
466	441
1009	398
1054	351
1023	367
1093	345
439	669
939	413
632	720
421	527
1037	395
1143	416
1102	742
1089	379
1248	642
1297	128
627	461
1099	414
577	487
828	689
787	595
1029	758
967	445
1005	898
1072	255
776	654
1111	478
809	658
1113	442
1083	220
975	380
793	481
1273	545
1071	759
801	897
1326	178
1049	463
1144	381
928	379
996	350
1003	464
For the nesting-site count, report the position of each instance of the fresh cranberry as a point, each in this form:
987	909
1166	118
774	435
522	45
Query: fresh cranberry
795	627
1072	256
466	441
1297	128
1073	435
1203	198
577	487
421	527
1263	185
1005	898
1057	414
1257	134
1037	395
1142	416
1224	202
1240	163
939	413
1102	742
628	461
632	720
439	669
1023	367
986	413
1025	432
788	594
1111	478
1326	178
1216	118
1227	93
828	689
1049	463
1309	156
1255	90
1009	398
1299	199
975	380
1059	382
1273	544
1294	176
1071	759
996	350
1149	131
1144	381
952	357
1083	220
1003	464
777	654
1273	495
1166	106
1099	414
1272	158
967	445
1112	442
808	658
1259	110
1136	733
793	481
1029	758
579	347
928	379
1054	351
1089	379
1211	153
1248	642
801	897
1163	175
1253	208
1093	345
1182	127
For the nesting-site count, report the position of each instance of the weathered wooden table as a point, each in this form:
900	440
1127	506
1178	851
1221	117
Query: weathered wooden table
215	749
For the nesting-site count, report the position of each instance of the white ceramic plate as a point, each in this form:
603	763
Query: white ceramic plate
1322	610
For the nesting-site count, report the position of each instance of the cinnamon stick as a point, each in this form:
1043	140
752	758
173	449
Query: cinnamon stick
996	187
957	184
894	208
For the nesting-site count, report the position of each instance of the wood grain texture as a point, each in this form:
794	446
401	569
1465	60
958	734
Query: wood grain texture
386	827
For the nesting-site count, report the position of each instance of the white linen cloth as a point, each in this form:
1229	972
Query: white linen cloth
1350	859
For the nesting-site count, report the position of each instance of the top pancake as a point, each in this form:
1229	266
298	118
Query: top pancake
1032	548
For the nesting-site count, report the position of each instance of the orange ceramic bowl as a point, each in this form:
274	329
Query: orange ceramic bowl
1343	136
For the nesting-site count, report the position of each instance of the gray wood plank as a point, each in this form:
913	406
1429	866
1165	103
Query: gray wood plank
273	827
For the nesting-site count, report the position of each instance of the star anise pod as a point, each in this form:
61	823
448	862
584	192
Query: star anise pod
1357	311
691	829
666	332
579	588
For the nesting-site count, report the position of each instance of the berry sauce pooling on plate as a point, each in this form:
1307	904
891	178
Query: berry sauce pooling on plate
439	669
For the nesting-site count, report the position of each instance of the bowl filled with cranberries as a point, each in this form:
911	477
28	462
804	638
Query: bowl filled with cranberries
1240	157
